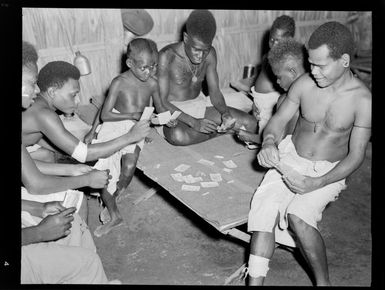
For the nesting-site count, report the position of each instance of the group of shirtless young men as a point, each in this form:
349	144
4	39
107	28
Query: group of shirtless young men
320	127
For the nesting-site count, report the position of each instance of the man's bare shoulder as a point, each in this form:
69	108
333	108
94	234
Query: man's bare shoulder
168	52
304	82
361	91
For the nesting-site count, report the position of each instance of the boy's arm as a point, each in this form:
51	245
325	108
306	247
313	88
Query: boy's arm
107	115
158	103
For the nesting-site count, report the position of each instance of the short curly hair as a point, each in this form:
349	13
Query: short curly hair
201	24
285	49
56	74
29	54
336	36
138	45
286	23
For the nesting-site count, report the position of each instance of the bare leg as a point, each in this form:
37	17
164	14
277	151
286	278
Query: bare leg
183	135
129	161
313	248
116	219
262	244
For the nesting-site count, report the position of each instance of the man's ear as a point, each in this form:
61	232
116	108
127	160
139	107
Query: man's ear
345	58
129	62
293	72
51	92
185	37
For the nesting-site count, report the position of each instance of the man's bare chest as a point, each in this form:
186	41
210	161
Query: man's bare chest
334	114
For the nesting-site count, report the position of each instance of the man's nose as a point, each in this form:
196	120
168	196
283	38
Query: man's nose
77	100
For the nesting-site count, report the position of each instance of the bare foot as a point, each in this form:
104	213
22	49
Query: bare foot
104	216
106	228
115	281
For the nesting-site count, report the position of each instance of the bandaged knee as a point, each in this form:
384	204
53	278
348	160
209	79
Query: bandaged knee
80	152
258	266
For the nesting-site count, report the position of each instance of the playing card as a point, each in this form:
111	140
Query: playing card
206	162
230	164
177	177
182	167
147	112
209	184
216	177
186	187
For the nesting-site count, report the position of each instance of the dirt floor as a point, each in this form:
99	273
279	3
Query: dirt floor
163	242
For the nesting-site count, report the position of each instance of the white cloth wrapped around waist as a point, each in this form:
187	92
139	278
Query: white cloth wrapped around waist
265	102
109	131
195	107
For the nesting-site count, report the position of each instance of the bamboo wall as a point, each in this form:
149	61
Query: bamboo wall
98	34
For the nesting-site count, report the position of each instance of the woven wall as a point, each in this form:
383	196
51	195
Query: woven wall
98	34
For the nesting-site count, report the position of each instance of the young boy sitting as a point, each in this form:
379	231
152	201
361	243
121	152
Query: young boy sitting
286	60
128	95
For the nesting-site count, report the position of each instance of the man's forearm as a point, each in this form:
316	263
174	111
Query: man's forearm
342	170
54	168
49	184
30	235
219	103
33	207
106	149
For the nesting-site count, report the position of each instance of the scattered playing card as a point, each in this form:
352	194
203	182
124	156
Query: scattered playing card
186	187
219	156
230	181
182	167
147	112
206	162
177	177
209	184
230	164
228	170
157	166
191	179
216	177
206	193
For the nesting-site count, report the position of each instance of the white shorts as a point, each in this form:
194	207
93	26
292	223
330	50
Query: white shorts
273	197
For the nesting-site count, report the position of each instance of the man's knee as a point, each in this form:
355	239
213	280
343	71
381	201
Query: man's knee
297	224
178	137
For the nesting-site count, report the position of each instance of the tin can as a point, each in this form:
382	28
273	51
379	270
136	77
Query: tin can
248	71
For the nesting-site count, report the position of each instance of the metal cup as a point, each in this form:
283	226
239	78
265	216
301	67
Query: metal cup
248	71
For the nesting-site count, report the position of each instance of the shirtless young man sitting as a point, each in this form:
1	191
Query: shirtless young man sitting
128	95
182	68
60	236
287	61
59	87
327	145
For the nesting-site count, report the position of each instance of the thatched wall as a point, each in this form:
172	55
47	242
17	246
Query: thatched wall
98	34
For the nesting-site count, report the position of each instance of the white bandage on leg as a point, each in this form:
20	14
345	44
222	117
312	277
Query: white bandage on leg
80	152
258	266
